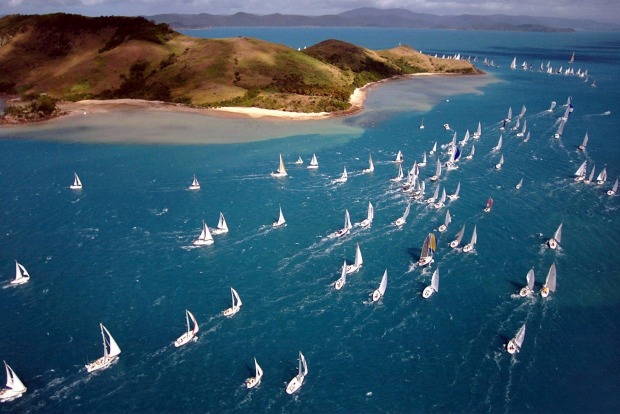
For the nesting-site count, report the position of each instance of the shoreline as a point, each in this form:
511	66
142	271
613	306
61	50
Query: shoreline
95	106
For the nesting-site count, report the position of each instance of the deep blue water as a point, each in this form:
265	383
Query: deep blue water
119	251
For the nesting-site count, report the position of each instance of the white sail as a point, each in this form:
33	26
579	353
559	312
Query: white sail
371	165
347	220
299	160
21	274
498	166
530	279
402	220
254	381
343	177
584	143
298	380
195	185
550	282
205	237
399	157
513	64
560	130
553	104
281	221
515	343
314	163
602	177
581	171
437	171
558	234
446	222
369	218
14	387
459	236
614	189
456	192
434	150
435	280
77	183
509	115
192	329
519	184
114	349
378	293
499	144
236	304
435	195
591	176
281	171
524	129
342	280
478	132
400	174
222	227
359	261
471	153
472	244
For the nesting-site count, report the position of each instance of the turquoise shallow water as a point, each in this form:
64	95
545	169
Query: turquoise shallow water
119	251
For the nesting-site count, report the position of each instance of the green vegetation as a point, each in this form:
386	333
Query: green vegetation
71	57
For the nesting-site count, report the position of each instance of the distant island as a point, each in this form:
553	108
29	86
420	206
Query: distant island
397	18
47	58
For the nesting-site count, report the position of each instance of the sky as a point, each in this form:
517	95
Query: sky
599	10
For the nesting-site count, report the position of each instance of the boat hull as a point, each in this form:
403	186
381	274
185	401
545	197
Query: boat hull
20	281
340	233
454	244
365	223
294	384
611	192
544	292
231	311
219	231
399	222
352	269
278	175
75	187
525	292
9	394
468	248
252	382
553	244
186	338
193	187
376	295
339	284
442	228
425	261
427	292
511	347
202	242
101	363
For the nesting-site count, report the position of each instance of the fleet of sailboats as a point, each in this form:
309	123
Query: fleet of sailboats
14	387
236	304
192	330
514	345
380	291
298	380
433	287
111	352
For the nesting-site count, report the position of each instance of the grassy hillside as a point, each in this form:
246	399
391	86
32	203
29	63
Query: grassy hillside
73	57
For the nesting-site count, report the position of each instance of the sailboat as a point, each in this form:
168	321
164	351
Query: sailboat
422	124
21	275
442	201
455	196
478	132
314	163
509	115
527	137
516	125
459	236
529	289
281	221
299	161
434	197
423	163
446	127
549	285
14	387
77	184
255	381
558	133
347	226
614	189
195	185
222	227
465	138
602	177
428	250
369	218
523	130
523	110
433	287
434	150
583	145
281	171
236	304
513	64
379	292
342	280
472	244
572	58
591	176
455	155
399	157
553	104
514	345
400	174
371	166
499	144
555	241
446	222
498	166
111	351
471	153
437	171
344	177
519	184
358	261
402	220
190	334
205	237
298	380
580	174
489	205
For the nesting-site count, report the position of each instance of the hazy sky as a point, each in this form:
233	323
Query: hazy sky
601	10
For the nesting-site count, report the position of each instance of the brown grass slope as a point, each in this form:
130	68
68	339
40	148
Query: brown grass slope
74	57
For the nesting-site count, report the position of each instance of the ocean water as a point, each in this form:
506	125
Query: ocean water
120	251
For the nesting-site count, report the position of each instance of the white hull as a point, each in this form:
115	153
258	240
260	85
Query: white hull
312	167
231	311
75	187
611	192
20	281
194	187
544	292
376	295
452	197
468	248
365	223
295	384
442	228
340	233
279	175
425	261
367	170
101	363
487	209
202	242
428	292
553	244
400	221
434	178
339	284
525	292
498	166
512	348
10	395
352	269
252	382
215	232
186	338
580	178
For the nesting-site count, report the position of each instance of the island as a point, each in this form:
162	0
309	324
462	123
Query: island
50	60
